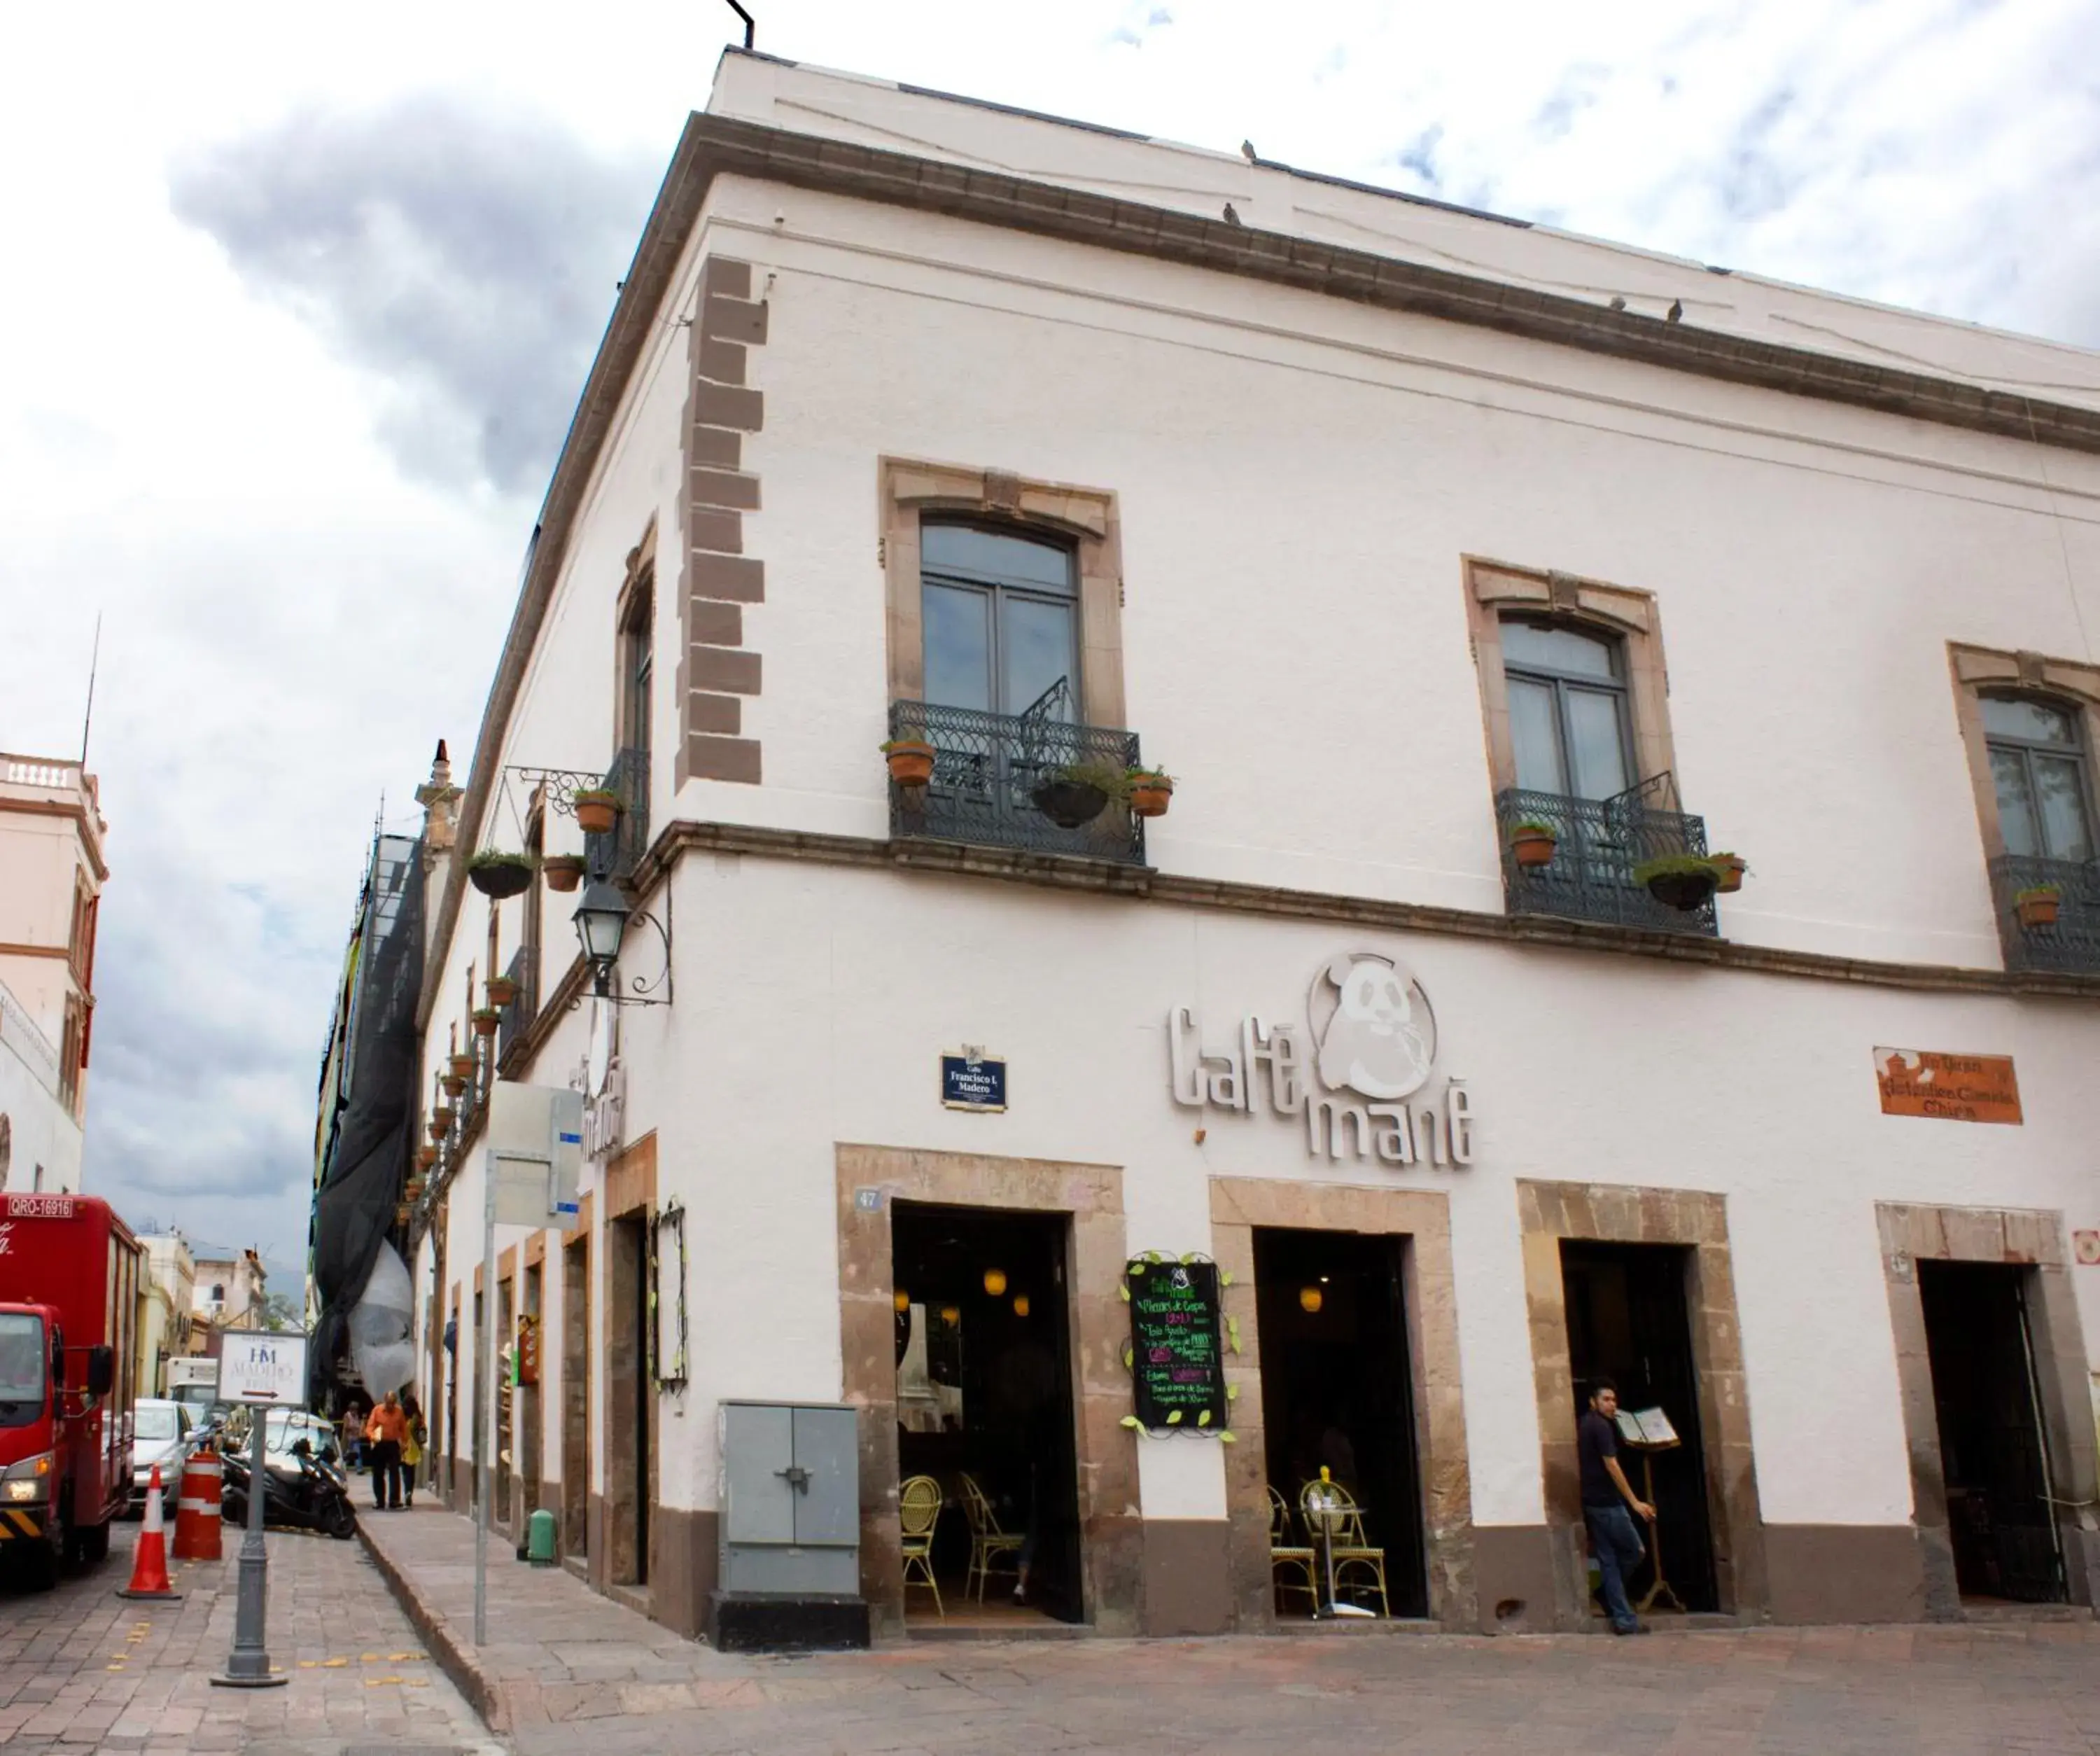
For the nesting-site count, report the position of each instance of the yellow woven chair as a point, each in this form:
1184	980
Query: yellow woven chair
1345	1530
1287	1559
919	1502
988	1542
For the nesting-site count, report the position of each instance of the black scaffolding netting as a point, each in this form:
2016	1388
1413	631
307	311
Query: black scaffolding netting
368	1099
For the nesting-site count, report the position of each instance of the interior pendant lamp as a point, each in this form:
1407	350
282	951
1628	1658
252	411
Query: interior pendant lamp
601	918
995	1282
1310	1299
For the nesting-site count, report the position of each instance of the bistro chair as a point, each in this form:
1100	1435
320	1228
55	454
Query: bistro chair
1290	1563
1344	1522
988	1542
919	1502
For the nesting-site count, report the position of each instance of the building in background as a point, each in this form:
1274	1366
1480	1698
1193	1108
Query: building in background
227	1291
166	1310
51	874
945	467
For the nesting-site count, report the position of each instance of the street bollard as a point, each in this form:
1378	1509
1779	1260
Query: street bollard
247	1665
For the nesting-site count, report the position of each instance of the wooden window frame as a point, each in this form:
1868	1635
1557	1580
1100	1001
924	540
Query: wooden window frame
1085	517
1498	588
2063	683
634	619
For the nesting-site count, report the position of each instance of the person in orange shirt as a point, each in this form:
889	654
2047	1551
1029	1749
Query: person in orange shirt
384	1432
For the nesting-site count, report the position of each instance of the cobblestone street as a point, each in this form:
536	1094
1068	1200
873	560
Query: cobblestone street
82	1670
566	1668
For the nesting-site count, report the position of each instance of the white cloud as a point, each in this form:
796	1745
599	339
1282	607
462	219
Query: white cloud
293	449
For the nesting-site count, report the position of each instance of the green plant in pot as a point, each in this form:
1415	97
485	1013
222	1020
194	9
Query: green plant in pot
1532	843
598	809
2037	905
1682	881
563	871
910	761
497	874
1073	797
485	1021
1149	791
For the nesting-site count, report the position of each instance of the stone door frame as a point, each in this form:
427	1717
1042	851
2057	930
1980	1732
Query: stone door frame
1911	1233
1422	1219
1090	1198
1621	1214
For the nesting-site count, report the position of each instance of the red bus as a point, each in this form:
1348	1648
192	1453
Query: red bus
69	1273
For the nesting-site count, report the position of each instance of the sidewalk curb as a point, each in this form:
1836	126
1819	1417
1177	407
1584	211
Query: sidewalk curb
456	1658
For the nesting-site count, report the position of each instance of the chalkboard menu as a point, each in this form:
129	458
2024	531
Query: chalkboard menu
1177	1360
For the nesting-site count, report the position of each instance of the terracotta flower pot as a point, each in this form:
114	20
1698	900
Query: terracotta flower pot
1150	795
2037	911
563	871
502	991
1728	871
441	1123
463	1065
1533	848
598	817
453	1084
911	762
426	1156
485	1021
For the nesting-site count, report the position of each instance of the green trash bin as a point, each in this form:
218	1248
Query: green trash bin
539	1538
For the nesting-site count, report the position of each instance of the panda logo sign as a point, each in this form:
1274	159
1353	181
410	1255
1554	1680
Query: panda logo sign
1356	1075
1377	1038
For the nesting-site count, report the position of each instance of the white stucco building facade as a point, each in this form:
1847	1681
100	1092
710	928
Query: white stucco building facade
1389	529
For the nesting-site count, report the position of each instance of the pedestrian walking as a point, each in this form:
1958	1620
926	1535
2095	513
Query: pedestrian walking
412	1447
383	1433
1610	1504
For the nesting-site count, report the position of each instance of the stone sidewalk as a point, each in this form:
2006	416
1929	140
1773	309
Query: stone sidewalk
567	1669
86	1673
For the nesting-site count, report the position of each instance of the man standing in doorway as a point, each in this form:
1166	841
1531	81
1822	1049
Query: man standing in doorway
1614	1539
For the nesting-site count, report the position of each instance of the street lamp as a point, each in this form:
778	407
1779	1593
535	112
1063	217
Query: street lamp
601	920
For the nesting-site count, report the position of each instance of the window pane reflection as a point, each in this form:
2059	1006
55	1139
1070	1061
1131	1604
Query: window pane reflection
1535	736
1600	752
1035	645
1559	649
2016	815
958	636
995	555
2066	831
2034	721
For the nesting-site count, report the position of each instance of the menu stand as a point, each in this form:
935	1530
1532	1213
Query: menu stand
1647	1432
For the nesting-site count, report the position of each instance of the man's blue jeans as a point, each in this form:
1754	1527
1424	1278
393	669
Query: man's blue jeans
1618	1548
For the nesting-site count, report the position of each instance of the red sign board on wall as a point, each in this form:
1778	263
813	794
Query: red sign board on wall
1922	1081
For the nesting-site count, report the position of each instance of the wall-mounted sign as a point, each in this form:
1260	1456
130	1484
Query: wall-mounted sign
2085	1247
970	1081
1919	1082
1358	1071
1177	1360
261	1366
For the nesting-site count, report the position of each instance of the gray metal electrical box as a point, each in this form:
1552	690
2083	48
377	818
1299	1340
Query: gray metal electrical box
789	1561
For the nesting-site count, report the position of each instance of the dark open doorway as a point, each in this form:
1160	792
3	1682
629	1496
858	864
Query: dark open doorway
984	1408
1337	1389
1992	1453
1629	1320
630	1401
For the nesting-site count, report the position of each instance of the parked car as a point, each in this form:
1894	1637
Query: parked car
160	1434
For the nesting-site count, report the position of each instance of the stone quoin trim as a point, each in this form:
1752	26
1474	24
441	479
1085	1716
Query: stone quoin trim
716	667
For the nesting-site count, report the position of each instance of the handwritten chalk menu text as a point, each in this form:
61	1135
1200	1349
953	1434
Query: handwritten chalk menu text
1177	1364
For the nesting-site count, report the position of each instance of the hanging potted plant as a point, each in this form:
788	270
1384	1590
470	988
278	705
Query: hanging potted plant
462	1067
1728	870
502	991
2037	905
441	1122
426	1157
1532	843
910	761
563	871
598	809
486	1019
401	1213
496	874
1682	881
414	1188
453	1083
1149	790
1074	797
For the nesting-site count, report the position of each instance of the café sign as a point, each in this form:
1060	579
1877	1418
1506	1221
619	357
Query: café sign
1359	1075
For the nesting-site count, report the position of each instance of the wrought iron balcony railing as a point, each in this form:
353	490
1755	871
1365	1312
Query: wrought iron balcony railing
517	1017
2071	944
1600	842
991	776
615	854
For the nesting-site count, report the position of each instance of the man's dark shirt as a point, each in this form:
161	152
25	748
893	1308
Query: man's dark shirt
1597	1439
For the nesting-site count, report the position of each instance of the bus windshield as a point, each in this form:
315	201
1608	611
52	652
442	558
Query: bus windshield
23	1367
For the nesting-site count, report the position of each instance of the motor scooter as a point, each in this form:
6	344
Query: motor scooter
312	1496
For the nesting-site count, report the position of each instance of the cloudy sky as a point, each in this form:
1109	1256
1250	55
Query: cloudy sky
297	304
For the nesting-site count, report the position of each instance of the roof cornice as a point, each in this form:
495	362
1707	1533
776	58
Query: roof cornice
713	146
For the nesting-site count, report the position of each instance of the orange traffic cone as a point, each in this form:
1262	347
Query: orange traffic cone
149	1563
196	1507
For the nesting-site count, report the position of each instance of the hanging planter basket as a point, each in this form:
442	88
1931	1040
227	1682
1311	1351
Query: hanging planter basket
2037	907
497	875
1532	846
1682	881
502	991
910	761
1073	798
1151	791
563	871
598	811
486	1019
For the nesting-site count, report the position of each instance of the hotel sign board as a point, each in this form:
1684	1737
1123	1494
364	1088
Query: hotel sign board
1923	1082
